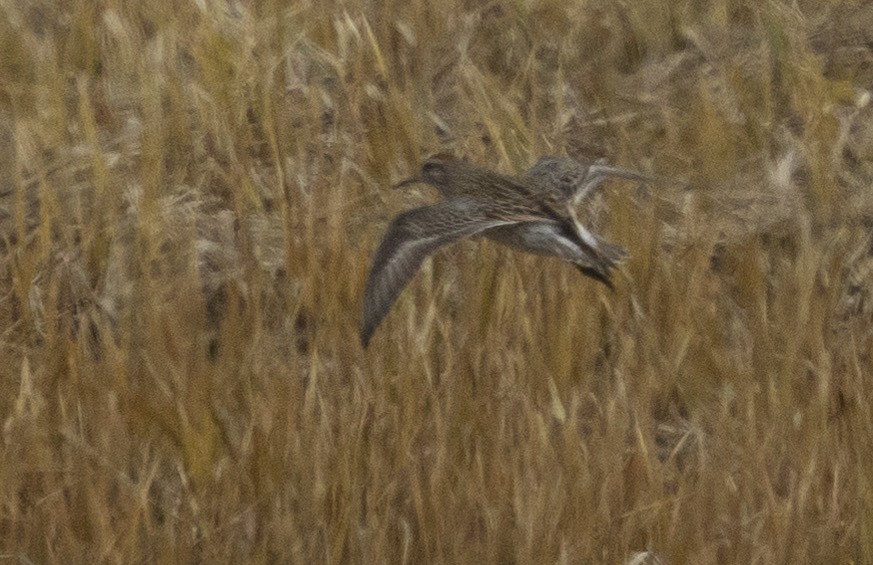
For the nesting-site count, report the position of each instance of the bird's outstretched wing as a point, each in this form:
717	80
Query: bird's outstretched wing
567	183
411	237
574	180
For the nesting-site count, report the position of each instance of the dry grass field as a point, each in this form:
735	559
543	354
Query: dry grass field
191	192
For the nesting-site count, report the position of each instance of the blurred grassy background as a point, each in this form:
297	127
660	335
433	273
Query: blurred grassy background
190	196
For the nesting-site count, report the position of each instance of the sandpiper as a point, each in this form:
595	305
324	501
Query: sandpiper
534	212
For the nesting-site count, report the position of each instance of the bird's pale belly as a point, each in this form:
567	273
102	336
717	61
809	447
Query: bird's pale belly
539	238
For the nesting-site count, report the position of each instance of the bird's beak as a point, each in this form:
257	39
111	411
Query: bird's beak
407	182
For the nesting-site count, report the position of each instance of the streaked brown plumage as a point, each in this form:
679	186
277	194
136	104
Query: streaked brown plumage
534	212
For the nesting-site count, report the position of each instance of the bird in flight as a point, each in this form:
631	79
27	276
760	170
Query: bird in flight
534	212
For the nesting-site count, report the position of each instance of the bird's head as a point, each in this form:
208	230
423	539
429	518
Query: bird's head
437	171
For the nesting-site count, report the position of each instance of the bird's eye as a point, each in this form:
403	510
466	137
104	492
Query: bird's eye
430	167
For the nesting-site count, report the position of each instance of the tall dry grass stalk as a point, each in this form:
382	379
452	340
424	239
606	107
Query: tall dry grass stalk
190	195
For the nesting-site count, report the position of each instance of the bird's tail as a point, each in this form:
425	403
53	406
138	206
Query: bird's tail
604	257
599	274
610	252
